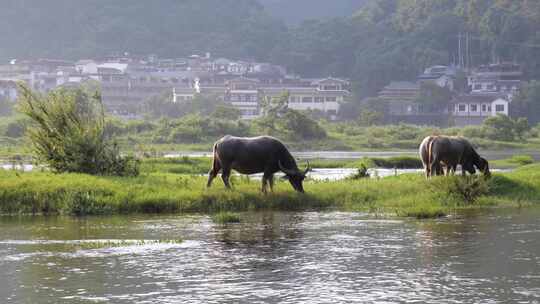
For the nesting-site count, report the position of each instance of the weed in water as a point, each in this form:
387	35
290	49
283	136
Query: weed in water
226	218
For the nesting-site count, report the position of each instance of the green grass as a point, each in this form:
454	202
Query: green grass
405	195
226	217
513	162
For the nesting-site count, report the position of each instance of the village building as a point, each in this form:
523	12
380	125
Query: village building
401	98
441	75
322	95
246	95
492	89
473	109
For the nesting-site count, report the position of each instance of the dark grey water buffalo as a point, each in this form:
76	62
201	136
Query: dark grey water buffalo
453	151
255	155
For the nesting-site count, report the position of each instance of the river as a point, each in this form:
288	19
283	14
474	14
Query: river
272	257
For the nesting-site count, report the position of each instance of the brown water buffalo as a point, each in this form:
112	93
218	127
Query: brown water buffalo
264	154
452	151
424	156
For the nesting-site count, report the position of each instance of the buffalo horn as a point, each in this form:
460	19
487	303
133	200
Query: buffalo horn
308	168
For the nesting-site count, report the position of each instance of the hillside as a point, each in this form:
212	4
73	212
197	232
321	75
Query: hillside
78	29
384	40
295	11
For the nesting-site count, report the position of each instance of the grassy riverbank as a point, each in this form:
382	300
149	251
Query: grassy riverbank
406	195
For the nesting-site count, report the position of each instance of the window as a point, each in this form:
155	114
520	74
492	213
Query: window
477	86
307	99
319	99
292	99
474	108
331	112
499	108
484	108
462	108
330	88
490	87
331	99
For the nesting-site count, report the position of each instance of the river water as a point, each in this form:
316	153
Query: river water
309	257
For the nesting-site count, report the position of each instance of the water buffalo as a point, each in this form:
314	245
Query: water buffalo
255	155
424	155
453	151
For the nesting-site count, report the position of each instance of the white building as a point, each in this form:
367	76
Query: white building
473	109
246	94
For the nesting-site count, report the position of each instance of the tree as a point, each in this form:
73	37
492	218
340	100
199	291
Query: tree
226	112
433	98
527	102
373	111
370	118
67	133
502	127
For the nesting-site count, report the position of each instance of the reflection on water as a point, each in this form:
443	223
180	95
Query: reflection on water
272	258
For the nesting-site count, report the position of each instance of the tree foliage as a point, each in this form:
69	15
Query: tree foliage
433	97
502	127
67	133
527	102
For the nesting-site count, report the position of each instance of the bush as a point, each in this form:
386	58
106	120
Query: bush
400	162
186	134
68	133
522	160
463	190
225	218
504	128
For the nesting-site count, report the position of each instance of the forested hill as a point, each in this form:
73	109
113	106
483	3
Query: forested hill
89	28
384	40
294	12
396	39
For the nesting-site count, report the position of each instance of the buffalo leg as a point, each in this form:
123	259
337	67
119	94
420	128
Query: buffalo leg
271	182
213	173
434	167
263	185
268	179
225	177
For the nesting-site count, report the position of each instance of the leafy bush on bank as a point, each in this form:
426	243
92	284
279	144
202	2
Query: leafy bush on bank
67	133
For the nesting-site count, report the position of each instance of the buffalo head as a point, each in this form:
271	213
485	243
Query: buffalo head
295	176
483	166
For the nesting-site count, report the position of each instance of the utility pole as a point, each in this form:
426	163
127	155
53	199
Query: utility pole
467	62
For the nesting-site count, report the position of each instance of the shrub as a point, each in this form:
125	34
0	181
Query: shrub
186	134
464	190
400	162
522	160
226	217
362	172
68	133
